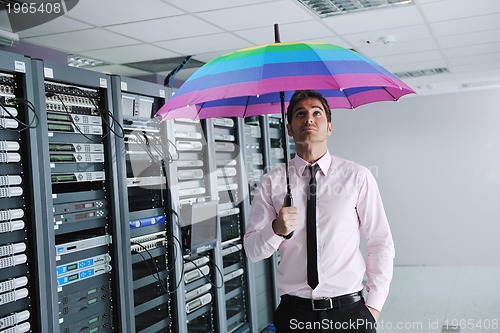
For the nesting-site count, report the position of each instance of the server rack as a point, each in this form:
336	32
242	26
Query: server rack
96	199
233	202
191	182
257	143
143	188
21	281
79	190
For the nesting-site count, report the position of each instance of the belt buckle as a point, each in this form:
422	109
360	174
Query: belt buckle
323	308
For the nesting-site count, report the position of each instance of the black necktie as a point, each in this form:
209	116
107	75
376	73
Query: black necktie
312	262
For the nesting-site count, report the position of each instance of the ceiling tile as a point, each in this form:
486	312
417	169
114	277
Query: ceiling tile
454	9
119	70
166	29
472	50
77	41
438	88
415	81
203	44
479	58
290	32
259	15
425	1
474	67
131	53
110	12
60	24
402	34
416	66
379	49
206	57
463	40
463	35
336	41
466	25
479	76
408	58
381	19
261	36
196	6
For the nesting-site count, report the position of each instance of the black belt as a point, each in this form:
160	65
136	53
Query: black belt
324	303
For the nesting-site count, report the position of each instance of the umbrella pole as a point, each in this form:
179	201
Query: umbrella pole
288	198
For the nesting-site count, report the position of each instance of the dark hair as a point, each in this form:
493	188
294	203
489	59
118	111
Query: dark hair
300	95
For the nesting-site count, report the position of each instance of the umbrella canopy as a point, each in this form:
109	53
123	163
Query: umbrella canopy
247	82
259	80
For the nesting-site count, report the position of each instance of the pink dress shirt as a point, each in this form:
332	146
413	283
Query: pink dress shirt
347	200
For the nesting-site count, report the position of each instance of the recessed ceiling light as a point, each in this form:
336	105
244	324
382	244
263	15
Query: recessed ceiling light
83	62
325	8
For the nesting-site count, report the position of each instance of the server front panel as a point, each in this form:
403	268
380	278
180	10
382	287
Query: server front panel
17	261
77	121
230	170
143	157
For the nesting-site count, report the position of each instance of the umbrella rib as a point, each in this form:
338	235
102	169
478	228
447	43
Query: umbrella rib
198	113
246	107
393	97
347	97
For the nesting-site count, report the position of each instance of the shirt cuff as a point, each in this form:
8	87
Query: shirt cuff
375	300
267	235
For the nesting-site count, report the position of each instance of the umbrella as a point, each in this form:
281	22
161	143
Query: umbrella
259	80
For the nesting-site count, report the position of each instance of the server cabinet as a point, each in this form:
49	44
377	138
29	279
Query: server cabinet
21	278
141	155
79	192
196	276
256	148
233	202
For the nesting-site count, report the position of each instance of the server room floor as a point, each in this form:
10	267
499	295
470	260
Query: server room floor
432	299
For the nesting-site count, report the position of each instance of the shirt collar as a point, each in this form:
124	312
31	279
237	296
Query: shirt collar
300	165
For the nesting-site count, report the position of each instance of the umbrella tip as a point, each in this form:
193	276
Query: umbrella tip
277	33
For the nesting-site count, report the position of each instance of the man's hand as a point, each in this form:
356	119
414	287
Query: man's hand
375	313
287	221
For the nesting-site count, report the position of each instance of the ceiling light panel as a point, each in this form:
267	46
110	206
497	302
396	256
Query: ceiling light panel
325	8
422	72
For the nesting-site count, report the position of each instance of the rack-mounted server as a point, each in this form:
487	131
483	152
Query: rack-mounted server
231	192
141	163
20	294
79	177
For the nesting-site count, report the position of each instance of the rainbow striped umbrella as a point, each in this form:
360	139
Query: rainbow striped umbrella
259	80
247	82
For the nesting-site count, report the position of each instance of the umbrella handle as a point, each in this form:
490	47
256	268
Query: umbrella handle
287	203
288	200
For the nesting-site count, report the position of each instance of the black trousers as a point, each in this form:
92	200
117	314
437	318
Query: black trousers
353	318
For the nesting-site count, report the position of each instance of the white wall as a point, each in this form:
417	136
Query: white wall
437	163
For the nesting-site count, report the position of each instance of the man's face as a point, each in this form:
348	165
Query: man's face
309	122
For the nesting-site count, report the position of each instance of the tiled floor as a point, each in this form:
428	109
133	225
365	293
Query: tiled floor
427	299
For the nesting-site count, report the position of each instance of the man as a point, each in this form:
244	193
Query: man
320	287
